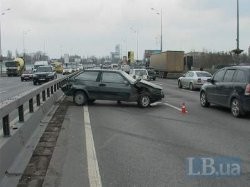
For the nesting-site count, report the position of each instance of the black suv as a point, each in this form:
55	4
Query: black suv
43	74
229	87
113	85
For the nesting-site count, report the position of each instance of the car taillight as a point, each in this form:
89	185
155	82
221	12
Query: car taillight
247	91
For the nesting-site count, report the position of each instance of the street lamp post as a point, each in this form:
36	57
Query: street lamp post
237	51
137	42
159	13
2	13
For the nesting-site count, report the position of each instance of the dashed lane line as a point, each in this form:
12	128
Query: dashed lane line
93	168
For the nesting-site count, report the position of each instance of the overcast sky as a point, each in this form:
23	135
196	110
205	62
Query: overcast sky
94	27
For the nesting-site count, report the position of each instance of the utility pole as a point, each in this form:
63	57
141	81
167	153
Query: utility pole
137	42
237	51
160	14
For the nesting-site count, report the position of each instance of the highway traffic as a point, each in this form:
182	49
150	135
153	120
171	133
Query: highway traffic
146	146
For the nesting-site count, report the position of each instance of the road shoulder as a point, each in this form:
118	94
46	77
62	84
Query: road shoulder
68	166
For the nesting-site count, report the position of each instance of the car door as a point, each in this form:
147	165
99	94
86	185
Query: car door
225	88
189	78
114	86
239	82
89	81
185	79
211	90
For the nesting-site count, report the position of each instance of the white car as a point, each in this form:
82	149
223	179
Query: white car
67	70
139	74
193	79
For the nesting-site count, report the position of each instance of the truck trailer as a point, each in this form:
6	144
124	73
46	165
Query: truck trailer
167	62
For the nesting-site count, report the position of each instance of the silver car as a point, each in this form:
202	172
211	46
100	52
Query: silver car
193	79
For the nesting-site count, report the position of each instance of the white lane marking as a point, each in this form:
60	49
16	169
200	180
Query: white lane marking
172	106
3	92
93	168
167	104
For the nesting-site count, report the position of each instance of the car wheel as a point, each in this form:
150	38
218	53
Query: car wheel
80	98
191	86
236	108
34	82
203	100
22	80
154	78
179	84
144	101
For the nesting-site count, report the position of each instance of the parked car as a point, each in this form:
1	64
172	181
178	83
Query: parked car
43	74
27	75
116	85
229	87
139	74
193	79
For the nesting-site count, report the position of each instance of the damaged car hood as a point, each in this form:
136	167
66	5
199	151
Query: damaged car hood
147	83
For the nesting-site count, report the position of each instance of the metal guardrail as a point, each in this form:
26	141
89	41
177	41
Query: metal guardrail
43	92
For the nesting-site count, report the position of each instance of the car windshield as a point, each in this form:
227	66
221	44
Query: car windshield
44	69
141	72
11	64
203	74
28	71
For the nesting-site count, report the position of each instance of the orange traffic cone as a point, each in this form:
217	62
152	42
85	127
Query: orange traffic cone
183	108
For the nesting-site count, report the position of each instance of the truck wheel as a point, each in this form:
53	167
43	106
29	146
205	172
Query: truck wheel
144	101
80	98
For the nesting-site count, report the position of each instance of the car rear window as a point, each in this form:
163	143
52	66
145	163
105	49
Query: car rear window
240	76
203	74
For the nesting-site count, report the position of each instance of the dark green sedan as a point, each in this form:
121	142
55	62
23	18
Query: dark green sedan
90	85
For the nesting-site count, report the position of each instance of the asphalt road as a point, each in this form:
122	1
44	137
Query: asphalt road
149	147
12	86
